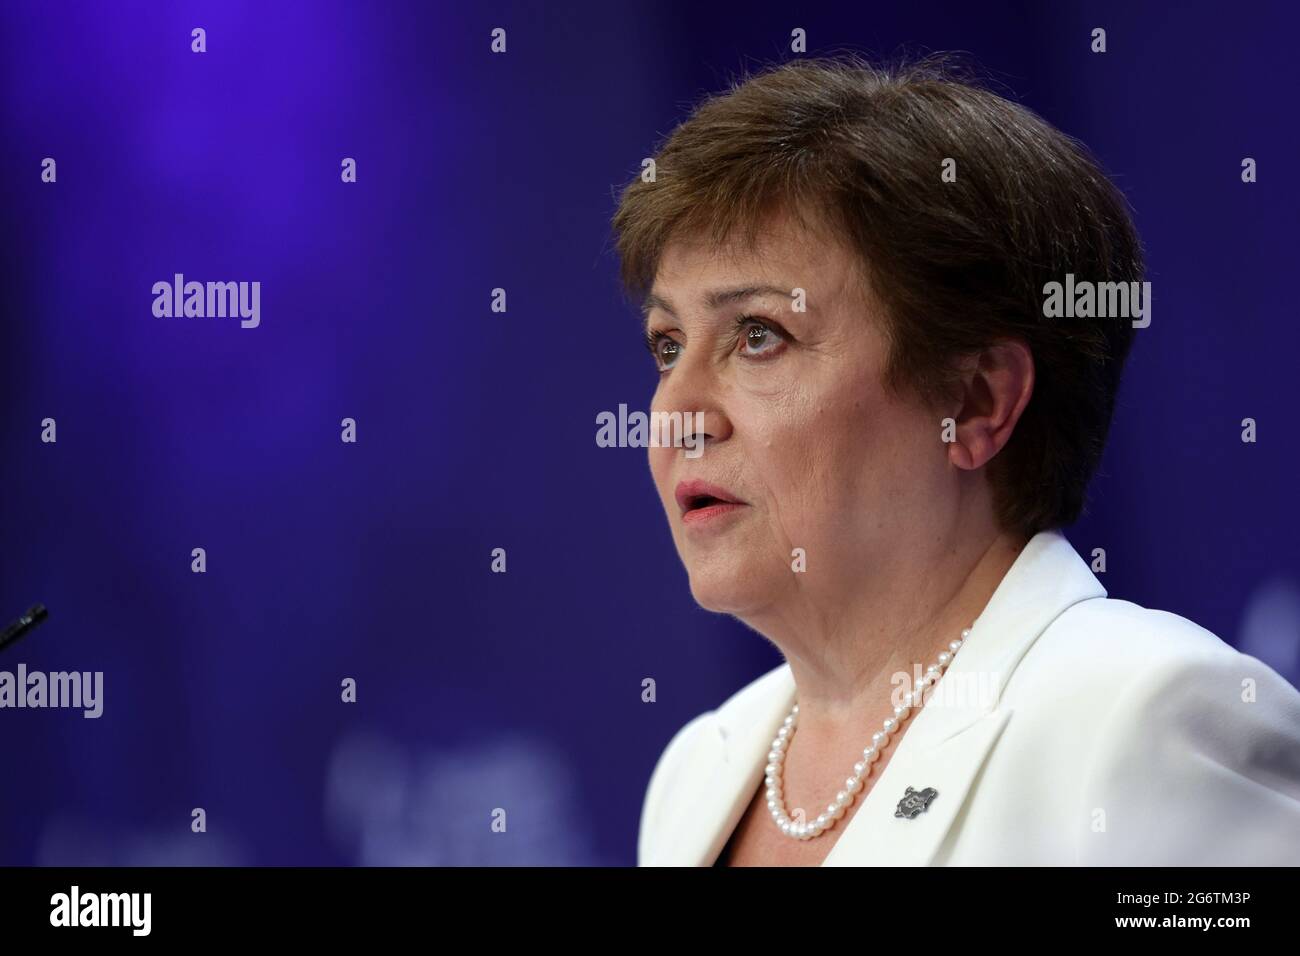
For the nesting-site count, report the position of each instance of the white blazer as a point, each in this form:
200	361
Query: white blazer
1108	734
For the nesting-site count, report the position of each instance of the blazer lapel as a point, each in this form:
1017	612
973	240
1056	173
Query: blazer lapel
952	735
944	745
878	836
725	770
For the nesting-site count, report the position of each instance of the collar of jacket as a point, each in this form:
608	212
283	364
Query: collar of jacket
944	747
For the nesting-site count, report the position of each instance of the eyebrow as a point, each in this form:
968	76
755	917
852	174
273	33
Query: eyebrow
715	299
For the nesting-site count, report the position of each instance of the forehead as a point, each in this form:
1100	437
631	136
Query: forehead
785	254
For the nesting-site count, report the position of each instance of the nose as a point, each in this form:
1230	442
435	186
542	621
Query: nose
692	388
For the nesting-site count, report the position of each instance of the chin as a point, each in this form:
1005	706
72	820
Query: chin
730	589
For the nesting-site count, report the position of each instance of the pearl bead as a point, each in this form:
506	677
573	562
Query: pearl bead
844	798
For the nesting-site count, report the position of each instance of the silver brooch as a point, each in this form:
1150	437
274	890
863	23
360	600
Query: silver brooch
914	801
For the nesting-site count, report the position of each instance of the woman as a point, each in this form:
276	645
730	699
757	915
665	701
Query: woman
843	272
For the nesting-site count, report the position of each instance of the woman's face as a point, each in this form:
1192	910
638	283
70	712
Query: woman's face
799	429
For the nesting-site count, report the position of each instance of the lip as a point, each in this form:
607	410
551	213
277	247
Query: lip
724	502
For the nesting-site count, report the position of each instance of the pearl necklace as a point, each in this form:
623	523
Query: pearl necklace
879	740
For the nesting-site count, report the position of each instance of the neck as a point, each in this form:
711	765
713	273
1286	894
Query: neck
844	653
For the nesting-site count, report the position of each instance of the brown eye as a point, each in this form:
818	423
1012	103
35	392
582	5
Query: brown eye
668	350
665	351
757	338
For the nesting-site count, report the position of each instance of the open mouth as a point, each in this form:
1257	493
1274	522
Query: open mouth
705	509
696	502
699	500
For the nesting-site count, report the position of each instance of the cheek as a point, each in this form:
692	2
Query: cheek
825	456
790	449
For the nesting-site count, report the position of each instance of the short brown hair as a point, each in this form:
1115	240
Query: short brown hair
957	265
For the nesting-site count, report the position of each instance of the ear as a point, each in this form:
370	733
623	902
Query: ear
996	388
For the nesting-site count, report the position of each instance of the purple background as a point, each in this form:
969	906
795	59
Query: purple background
476	429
